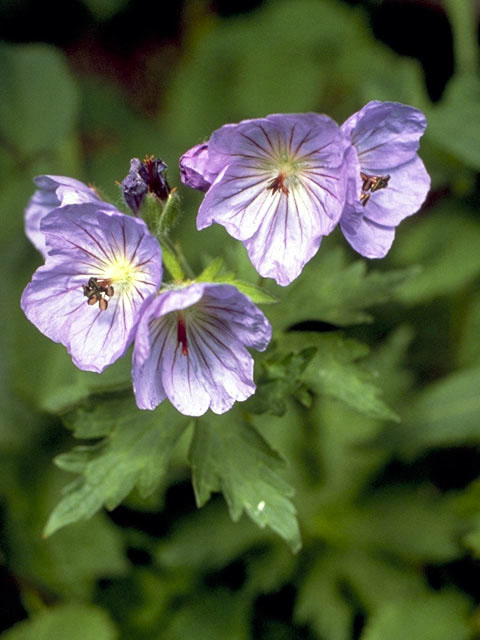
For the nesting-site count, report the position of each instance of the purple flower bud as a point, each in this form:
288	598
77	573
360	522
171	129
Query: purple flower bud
144	177
190	347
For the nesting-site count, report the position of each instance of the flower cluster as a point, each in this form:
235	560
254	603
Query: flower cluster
100	290
278	184
281	183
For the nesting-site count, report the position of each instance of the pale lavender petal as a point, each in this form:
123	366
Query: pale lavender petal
211	368
83	242
385	134
196	171
282	188
366	237
53	192
407	189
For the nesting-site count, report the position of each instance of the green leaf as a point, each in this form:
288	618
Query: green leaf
469	344
211	615
321	602
207	540
256	294
441	616
281	379
171	263
135	452
446	246
39	104
229	455
446	413
454	125
341	293
334	371
72	621
211	271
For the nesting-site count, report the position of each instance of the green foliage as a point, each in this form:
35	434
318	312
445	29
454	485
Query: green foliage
335	372
454	124
40	99
135	452
437	617
229	455
342	292
350	433
446	247
444	414
75	621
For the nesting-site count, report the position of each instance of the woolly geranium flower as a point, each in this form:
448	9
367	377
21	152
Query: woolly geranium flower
100	269
53	192
388	181
190	347
278	184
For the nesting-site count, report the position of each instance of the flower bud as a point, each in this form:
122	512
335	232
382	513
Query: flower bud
144	177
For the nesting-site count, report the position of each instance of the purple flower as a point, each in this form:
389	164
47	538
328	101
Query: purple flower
278	184
387	181
100	269
190	347
143	177
53	192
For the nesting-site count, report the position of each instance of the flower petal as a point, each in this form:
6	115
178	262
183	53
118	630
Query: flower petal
84	242
385	134
280	224
215	369
406	191
196	170
368	238
53	192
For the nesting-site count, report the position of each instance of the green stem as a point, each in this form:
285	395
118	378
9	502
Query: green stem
463	21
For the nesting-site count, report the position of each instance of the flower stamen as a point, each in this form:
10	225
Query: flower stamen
182	333
278	184
96	290
372	184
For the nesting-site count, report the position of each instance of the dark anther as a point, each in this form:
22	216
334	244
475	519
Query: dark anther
372	184
96	290
278	184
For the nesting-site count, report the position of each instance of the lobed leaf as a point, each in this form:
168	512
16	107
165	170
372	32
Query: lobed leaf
335	372
135	452
230	456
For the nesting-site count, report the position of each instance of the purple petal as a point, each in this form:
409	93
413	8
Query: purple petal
211	367
385	135
53	192
406	191
368	238
282	189
196	171
83	242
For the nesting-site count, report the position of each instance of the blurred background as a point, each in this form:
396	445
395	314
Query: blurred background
389	512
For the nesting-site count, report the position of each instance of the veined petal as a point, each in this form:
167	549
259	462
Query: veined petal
93	256
53	192
407	189
385	134
190	347
282	188
368	238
